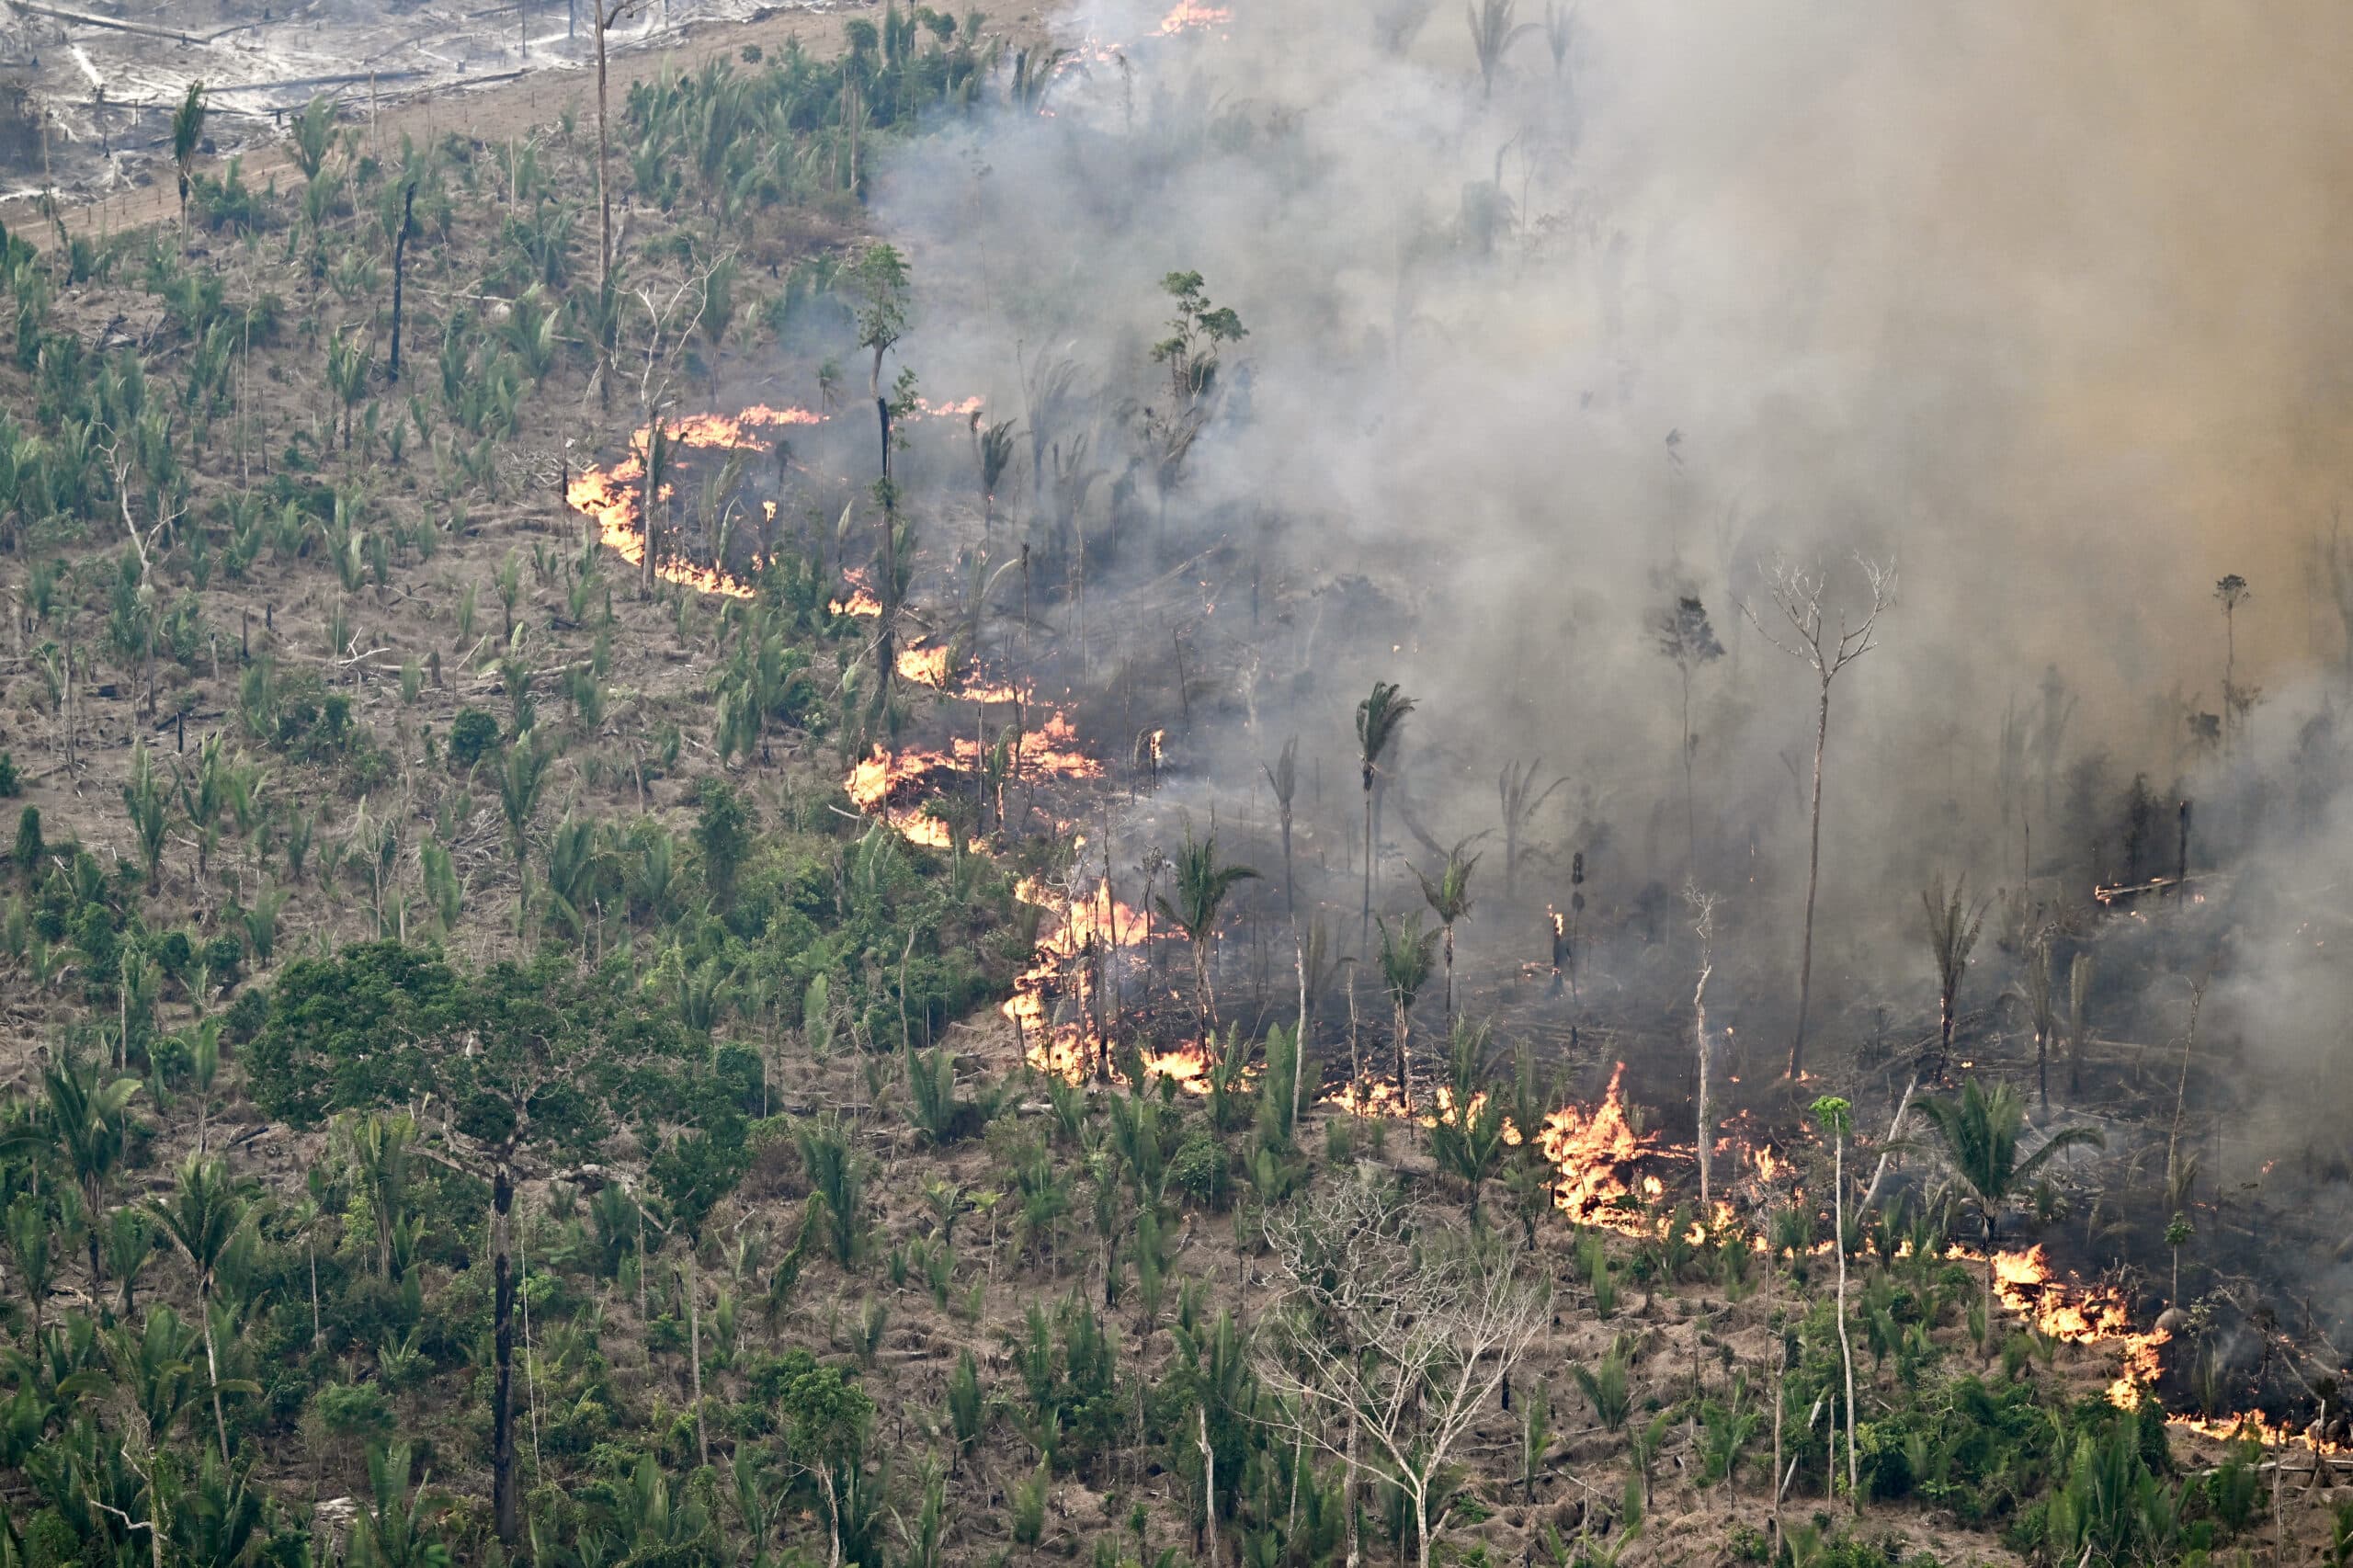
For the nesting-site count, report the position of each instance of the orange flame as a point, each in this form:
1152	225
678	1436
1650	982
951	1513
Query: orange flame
1595	1154
1191	15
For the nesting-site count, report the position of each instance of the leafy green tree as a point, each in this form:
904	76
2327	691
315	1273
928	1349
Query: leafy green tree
825	1418
723	834
880	280
1201	886
525	1065
1196	330
694	1172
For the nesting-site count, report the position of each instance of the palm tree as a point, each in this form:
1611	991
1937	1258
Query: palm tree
1201	886
1450	899
994	442
187	135
1379	717
1468	1138
1952	934
1980	1134
202	1219
1492	35
144	799
1406	953
84	1119
1282	777
1516	792
519	783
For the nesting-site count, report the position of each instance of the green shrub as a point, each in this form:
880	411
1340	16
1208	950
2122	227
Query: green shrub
1199	1170
12	783
473	735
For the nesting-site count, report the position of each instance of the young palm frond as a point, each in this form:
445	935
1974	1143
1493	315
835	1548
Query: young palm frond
1492	32
1953	926
1407	953
1201	886
1449	898
1978	1133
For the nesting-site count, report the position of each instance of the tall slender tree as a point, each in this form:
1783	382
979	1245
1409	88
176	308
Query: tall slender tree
1836	1118
1978	1133
1406	955
202	1219
1952	926
1685	636
1797	595
1517	794
187	139
1379	717
1201	886
1448	896
1282	778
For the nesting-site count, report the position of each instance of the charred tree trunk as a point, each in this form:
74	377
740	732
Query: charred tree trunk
400	266
505	1517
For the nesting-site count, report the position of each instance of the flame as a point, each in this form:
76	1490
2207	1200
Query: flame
1072	927
2076	1313
924	666
611	495
1191	15
1595	1154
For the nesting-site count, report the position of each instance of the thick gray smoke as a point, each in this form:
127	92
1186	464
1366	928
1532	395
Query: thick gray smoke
2045	304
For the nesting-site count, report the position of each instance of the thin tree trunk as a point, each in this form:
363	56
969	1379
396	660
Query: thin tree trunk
400	262
694	1351
1690	807
1208	1487
1299	1049
212	1366
505	1517
1894	1131
1812	883
1699	1039
1348	1488
1364	926
1846	1348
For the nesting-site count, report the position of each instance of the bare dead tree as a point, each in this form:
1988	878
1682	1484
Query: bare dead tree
1797	595
1391	1340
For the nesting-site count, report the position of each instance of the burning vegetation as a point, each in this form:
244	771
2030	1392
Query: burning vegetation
1151	786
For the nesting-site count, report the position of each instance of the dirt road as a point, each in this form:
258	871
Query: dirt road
494	111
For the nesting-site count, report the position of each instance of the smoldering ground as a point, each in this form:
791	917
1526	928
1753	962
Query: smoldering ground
2041	304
